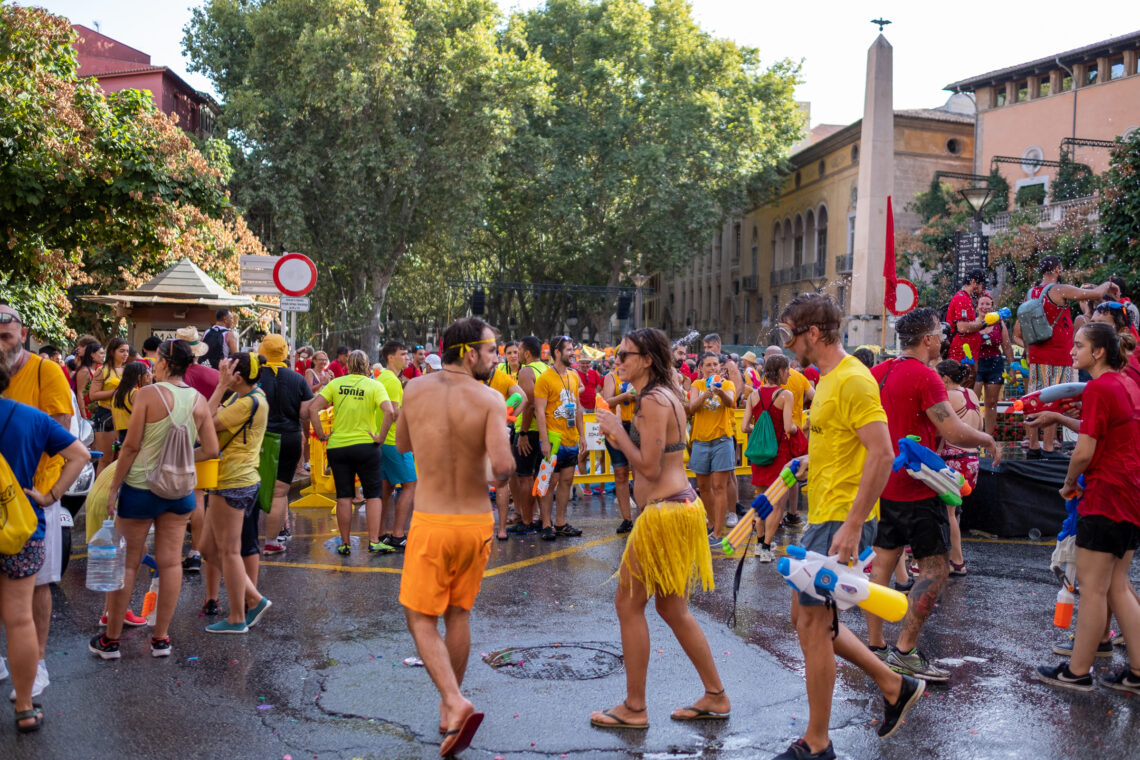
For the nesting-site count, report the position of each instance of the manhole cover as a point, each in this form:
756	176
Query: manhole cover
557	662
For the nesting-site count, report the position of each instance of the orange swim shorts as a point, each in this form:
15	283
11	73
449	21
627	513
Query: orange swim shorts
444	561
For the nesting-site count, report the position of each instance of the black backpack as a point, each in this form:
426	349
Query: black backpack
215	339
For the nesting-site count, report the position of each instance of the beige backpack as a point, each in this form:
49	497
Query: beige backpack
173	476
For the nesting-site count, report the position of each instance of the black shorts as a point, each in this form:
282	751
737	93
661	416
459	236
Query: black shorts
102	421
527	466
617	458
1098	533
923	524
990	369
361	460
249	523
290	456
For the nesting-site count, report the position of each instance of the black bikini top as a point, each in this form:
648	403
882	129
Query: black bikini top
669	447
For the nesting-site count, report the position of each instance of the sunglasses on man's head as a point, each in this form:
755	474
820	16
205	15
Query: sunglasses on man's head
1105	306
6	319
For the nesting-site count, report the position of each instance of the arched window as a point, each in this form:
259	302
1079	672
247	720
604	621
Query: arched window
821	235
798	242
809	236
786	246
755	251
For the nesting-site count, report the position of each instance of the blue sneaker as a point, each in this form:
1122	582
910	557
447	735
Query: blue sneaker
254	615
225	626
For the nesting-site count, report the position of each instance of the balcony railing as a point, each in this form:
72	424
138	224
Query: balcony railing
844	264
750	283
1046	215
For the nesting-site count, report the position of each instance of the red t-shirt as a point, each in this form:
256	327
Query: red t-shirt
301	365
812	374
337	368
910	389
1110	413
962	310
412	371
1055	351
201	378
591	381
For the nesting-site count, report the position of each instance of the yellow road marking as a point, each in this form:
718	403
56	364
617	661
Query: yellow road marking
337	568
547	557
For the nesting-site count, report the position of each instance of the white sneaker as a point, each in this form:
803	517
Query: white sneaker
730	520
3	669
764	556
42	682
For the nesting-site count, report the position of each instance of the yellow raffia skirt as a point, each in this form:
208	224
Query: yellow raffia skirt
670	548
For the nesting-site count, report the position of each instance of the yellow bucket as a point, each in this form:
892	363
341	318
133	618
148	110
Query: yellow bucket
207	470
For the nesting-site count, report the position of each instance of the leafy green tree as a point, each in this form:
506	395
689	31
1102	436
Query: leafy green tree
1119	214
370	128
659	132
96	192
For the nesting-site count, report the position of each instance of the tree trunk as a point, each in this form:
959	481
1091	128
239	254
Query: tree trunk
381	279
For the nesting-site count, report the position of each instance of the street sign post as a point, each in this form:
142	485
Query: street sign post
295	303
295	275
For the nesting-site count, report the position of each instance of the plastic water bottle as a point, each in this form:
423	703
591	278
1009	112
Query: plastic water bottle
1063	612
106	559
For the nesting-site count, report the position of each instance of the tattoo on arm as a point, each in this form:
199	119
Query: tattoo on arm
941	411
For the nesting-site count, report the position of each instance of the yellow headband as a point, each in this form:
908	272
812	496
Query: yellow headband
463	347
254	370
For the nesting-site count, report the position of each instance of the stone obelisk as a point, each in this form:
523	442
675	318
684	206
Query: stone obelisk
876	182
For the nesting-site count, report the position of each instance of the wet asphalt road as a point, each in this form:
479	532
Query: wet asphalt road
322	676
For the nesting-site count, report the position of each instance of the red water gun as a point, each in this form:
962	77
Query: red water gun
1056	398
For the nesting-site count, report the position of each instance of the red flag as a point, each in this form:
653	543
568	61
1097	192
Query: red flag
889	290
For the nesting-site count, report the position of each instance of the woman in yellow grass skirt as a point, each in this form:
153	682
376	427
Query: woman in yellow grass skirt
667	555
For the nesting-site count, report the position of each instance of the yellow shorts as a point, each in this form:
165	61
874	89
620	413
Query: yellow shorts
444	561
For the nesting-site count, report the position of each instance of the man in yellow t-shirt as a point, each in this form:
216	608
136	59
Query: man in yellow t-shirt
557	410
40	384
848	463
712	400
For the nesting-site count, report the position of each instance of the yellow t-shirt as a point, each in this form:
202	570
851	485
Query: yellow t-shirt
42	384
501	381
242	448
395	390
122	417
111	380
846	399
627	407
714	419
559	390
797	385
356	401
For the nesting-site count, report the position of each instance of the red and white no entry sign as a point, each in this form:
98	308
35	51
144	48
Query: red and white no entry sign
295	274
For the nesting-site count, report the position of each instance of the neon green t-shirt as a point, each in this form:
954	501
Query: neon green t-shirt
395	390
539	368
356	401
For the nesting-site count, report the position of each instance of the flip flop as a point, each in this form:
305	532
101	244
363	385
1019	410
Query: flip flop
700	715
459	739
618	722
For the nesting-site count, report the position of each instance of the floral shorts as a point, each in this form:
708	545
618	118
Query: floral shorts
27	561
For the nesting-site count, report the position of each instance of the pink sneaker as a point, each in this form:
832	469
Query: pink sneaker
129	618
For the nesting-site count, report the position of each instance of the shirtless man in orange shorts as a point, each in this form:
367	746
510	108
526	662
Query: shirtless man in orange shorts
454	423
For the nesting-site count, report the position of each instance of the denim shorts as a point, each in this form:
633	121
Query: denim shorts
397	468
567	457
817	538
141	504
102	421
990	369
617	458
717	455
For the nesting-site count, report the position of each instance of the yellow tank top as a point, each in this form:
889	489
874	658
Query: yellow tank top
111	379
627	407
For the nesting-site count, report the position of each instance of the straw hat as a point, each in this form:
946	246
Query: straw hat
191	336
748	357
